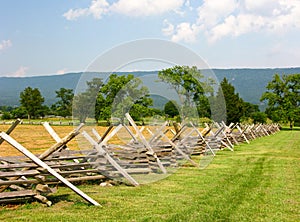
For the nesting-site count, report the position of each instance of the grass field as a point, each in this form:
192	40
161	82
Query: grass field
257	182
36	138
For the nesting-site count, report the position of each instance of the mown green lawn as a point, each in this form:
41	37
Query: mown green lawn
256	182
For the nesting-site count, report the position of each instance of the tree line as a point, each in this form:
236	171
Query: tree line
126	93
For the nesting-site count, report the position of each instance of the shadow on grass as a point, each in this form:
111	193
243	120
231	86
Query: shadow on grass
58	198
288	129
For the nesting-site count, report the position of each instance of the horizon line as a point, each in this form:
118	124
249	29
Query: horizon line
152	70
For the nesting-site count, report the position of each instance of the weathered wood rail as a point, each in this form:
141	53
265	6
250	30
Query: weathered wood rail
35	176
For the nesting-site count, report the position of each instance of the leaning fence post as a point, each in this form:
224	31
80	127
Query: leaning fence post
146	144
42	164
11	128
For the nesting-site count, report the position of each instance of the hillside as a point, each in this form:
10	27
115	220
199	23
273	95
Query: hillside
249	83
10	87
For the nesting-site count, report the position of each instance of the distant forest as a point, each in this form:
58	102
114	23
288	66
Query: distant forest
107	96
249	83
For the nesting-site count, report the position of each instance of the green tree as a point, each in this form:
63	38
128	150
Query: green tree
19	112
84	103
140	109
283	97
259	117
32	101
171	109
6	116
5	112
6	108
122	94
249	109
63	107
189	84
234	104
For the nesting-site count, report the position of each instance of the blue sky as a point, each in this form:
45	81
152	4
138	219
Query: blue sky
56	37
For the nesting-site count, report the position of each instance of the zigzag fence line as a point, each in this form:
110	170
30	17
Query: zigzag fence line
35	176
40	122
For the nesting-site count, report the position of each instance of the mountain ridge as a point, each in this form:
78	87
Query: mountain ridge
250	83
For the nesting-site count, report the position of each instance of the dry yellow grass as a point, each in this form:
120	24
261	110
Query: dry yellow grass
36	138
33	137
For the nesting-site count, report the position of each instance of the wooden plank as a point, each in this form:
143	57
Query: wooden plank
19	173
56	137
203	138
136	135
178	131
51	180
79	179
242	133
18	182
230	146
11	128
105	133
225	144
101	151
61	143
180	151
17	194
42	164
228	140
264	129
231	128
138	170
54	148
145	142
96	134
187	137
51	132
101	138
36	172
14	159
68	172
156	135
65	157
53	165
109	136
250	130
16	165
134	138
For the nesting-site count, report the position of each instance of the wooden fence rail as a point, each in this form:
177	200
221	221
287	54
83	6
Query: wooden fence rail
35	176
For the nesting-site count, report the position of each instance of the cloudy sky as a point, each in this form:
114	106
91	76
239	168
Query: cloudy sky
56	37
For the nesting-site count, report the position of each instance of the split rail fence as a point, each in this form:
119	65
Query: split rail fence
30	176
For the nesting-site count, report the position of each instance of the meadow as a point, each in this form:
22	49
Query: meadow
257	182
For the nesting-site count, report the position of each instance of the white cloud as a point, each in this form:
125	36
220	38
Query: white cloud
185	32
73	14
137	8
21	72
236	26
214	18
209	14
288	16
131	8
188	5
263	7
262	16
218	19
168	28
5	44
97	9
213	11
